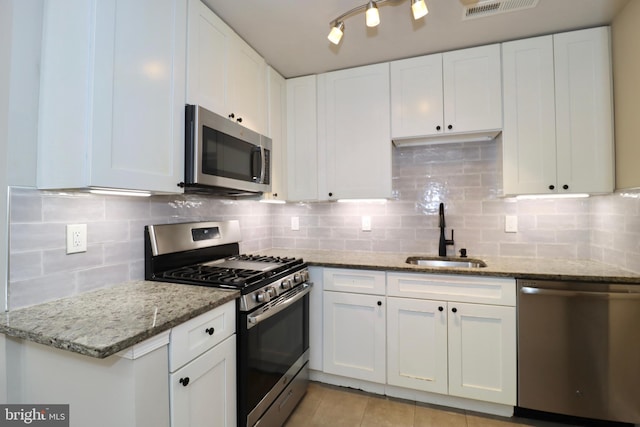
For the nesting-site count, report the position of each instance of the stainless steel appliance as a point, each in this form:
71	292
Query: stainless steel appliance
579	349
273	310
224	157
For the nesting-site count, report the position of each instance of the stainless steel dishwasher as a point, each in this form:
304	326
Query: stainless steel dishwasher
579	349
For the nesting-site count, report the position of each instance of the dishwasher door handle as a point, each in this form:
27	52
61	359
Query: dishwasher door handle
530	290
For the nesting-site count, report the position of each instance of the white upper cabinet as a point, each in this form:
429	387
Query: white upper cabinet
558	119
449	97
302	139
208	46
224	74
354	133
529	133
277	94
584	111
111	111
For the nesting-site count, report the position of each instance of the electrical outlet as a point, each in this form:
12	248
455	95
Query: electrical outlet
295	223
76	238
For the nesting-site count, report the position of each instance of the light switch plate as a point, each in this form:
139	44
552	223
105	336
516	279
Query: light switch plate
76	238
295	223
510	224
366	223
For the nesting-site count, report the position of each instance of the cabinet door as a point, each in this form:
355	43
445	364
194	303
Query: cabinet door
416	97
417	344
208	45
277	131
584	112
112	97
482	352
302	139
209	396
248	86
472	89
354	336
354	129
529	132
139	95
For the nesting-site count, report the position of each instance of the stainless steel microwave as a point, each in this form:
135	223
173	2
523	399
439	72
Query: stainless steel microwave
224	157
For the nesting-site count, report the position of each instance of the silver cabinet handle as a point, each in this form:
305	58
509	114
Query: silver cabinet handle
530	290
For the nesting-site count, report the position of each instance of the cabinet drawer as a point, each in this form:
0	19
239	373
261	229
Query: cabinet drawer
356	281
473	289
199	334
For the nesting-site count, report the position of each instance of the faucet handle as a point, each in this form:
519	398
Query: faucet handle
463	253
450	242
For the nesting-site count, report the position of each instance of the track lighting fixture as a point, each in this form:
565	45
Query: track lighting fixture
372	16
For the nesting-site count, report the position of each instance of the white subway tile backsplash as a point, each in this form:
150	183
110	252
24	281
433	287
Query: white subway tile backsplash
463	176
42	288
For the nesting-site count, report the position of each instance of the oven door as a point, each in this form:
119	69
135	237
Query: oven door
272	348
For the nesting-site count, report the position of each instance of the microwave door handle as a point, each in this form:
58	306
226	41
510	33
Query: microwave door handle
263	165
255	164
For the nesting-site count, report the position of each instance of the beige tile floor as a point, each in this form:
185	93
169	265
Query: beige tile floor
326	405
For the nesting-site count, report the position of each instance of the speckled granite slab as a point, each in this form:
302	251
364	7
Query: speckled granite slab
103	322
519	268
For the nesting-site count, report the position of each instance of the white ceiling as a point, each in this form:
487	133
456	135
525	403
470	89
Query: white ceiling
292	34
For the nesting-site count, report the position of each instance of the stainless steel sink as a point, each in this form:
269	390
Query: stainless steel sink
446	262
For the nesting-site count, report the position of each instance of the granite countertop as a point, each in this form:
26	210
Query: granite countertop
519	268
103	322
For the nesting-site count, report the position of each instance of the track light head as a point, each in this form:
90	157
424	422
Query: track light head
335	35
372	16
419	9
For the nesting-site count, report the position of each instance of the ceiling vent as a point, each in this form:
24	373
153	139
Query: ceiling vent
482	8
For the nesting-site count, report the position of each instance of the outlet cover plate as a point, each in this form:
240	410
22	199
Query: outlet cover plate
76	238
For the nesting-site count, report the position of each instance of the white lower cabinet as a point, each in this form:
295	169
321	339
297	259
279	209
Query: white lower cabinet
417	344
128	388
203	392
354	335
453	335
202	370
464	350
354	324
482	352
447	346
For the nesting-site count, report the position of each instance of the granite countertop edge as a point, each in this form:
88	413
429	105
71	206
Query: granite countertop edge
29	324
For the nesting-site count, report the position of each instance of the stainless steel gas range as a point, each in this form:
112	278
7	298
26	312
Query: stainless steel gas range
273	310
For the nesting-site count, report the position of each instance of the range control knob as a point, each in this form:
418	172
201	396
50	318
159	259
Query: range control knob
297	278
286	284
260	296
304	274
271	293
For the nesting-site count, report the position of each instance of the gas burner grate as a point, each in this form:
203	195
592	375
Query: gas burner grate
212	274
263	258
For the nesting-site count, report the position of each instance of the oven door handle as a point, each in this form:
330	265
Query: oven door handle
254	320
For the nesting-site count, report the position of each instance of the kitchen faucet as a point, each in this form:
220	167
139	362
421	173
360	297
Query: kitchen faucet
444	242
